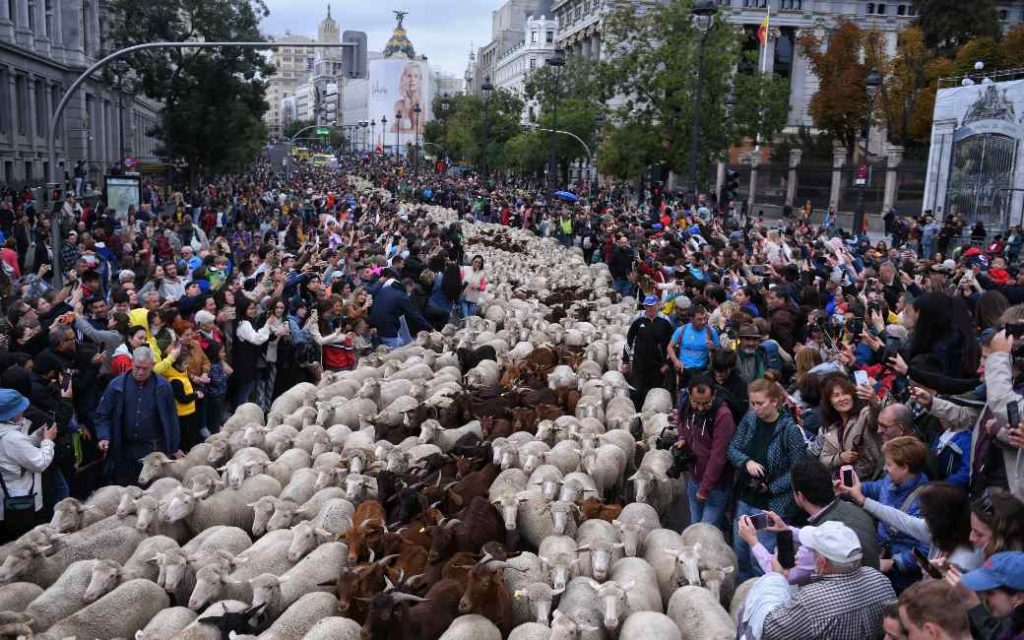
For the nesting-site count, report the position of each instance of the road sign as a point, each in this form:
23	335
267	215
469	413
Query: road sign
323	131
862	175
130	164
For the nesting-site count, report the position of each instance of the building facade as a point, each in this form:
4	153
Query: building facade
508	30
291	66
516	64
44	47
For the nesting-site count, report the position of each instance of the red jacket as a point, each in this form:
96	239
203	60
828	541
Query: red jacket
709	444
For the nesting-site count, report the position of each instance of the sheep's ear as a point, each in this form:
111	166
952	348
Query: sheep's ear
728	569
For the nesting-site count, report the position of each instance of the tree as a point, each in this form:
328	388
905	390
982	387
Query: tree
296	126
213	99
461	130
840	107
949	24
654	63
906	80
983	49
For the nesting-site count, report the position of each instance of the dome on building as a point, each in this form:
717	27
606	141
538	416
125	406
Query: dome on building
399	43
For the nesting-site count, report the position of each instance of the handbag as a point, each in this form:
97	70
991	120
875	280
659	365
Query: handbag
19	511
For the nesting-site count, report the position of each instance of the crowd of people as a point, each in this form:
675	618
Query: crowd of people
860	399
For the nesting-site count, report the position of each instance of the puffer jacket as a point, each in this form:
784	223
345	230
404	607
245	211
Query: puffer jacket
786	448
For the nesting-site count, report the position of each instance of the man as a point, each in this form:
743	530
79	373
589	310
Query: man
751	360
643	357
136	416
842	601
894	421
934	610
393	315
782	320
621	265
705	426
812	490
1000	584
172	287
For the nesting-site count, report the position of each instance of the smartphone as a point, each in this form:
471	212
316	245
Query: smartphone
785	550
846	472
65	381
861	377
1015	330
926	565
1013	414
760	520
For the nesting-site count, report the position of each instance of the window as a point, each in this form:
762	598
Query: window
871	8
85	27
1003	13
533	37
901	10
880	9
31	16
9	172
549	37
28	171
5	96
911	11
792	5
533	63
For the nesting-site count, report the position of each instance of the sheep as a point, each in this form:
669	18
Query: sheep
119	614
623	440
658	400
299	618
649	625
268	555
227	507
15	624
334	516
582	605
110	544
202	478
471	627
63	597
661	548
606	465
565	455
525	571
142	564
636	520
204	627
548	480
716	561
531	455
578	486
305	537
334	628
651	482
244	414
599	547
431	432
322	566
293	399
148	521
504	494
562	376
262	510
158	465
245	463
17	595
530	631
177	570
632	586
279	441
72	515
166	624
558	558
299	487
699	616
282	468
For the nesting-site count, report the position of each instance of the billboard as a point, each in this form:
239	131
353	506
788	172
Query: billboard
396	87
123	192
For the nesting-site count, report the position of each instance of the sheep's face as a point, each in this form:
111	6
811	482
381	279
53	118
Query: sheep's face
180	506
262	510
234	473
152	467
642	486
355	486
303	541
688	566
326	478
713	577
509	508
15	564
540	596
559	516
220	450
266	589
67	515
126	505
148	512
172	569
613	601
283	515
558	572
629	535
209	588
600	560
509	456
105	576
531	463
429	431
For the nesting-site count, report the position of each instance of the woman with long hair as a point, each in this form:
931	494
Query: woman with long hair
849	436
277	320
476	282
248	345
942	325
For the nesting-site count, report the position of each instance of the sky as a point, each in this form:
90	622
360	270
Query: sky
442	30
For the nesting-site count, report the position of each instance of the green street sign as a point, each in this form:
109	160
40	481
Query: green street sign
323	131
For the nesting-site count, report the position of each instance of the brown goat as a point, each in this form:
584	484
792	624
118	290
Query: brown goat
368	525
487	595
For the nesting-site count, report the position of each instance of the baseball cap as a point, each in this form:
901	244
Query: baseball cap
204	317
1002	570
833	540
651	300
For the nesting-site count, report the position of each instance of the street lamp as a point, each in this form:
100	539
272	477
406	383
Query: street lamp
120	68
703	14
871	84
373	136
486	88
383	133
362	136
416	147
398	132
557	61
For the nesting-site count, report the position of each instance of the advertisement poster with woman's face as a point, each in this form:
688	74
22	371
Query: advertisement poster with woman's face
396	88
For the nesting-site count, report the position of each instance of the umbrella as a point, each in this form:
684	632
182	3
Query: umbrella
567	196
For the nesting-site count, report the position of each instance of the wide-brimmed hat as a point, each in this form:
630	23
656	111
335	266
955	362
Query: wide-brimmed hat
12	404
749	331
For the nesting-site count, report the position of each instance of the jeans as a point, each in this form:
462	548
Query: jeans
748	567
243	391
712	510
393	343
468	308
623	286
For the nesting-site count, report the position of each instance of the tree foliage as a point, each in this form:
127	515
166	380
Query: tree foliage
906	81
654	61
949	24
474	128
296	126
213	99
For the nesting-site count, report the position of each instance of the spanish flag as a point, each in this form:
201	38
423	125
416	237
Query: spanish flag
762	31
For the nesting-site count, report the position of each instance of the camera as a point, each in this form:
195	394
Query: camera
682	459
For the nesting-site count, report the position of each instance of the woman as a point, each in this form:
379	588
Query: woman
997	522
849	436
749	301
766	445
944	525
942	326
23	458
410	98
476	282
329	332
246	350
905	460
122	360
358	305
280	332
444	293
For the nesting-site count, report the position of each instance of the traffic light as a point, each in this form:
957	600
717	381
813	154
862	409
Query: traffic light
732	186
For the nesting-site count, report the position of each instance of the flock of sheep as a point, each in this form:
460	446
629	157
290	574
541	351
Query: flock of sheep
483	482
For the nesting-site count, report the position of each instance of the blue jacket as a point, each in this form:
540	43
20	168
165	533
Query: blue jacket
787	447
389	304
109	414
953	455
900	544
438	298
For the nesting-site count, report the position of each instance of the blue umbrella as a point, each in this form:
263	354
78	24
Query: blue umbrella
568	196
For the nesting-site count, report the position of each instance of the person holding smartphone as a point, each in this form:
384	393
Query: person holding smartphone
23	458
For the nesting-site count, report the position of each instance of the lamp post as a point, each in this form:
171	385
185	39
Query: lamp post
373	137
398	133
486	88
557	62
363	124
703	13
383	133
416	147
120	71
871	84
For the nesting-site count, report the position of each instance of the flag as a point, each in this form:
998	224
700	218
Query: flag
762	31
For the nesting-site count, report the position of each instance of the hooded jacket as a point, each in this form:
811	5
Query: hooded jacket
708	440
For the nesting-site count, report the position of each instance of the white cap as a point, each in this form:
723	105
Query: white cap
833	540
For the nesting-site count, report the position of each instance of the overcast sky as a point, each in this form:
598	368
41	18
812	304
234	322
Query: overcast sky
442	30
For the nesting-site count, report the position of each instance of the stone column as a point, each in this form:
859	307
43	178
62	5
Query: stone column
31	134
895	157
938	166
22	32
755	160
838	160
719	178
794	162
6	25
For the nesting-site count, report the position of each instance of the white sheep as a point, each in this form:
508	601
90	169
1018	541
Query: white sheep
110	544
649	625
268	555
471	627
651	483
699	616
17	595
581	604
322	566
607	466
530	631
300	486
63	597
334	628
548	480
558	558
299	618
432	432
635	521
143	564
504	494
158	465
577	486
632	586
119	614
228	507
166	624
598	544
716	561
290	461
